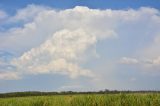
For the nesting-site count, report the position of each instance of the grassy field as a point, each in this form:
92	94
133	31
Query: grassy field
136	99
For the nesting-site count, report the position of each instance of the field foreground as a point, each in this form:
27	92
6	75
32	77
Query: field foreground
136	99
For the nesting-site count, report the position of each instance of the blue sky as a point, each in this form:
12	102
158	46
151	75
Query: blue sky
63	4
79	45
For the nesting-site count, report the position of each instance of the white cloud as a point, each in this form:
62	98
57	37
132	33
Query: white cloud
28	13
9	76
56	41
147	64
127	60
156	61
70	88
3	15
59	54
66	46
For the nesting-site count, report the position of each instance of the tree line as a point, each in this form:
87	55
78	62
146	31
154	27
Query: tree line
37	93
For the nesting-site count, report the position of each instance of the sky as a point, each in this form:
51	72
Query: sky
79	45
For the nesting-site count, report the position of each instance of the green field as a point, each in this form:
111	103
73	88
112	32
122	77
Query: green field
135	99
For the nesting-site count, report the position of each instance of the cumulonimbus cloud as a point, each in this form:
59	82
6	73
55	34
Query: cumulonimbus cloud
55	41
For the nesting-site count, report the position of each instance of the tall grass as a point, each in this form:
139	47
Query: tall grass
122	99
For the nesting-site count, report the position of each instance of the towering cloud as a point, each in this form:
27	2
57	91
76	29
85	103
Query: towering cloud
59	41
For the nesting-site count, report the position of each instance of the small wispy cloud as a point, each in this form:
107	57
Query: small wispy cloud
3	15
71	87
147	64
9	76
128	60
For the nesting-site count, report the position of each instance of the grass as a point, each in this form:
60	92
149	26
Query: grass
135	99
